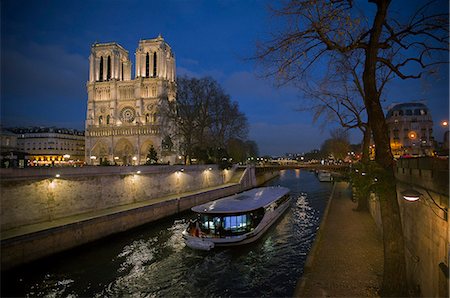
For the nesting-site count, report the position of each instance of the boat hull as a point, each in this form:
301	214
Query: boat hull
207	243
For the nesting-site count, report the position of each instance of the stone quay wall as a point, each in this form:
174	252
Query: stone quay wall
30	196
43	214
425	223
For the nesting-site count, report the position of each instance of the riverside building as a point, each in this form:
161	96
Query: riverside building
123	113
410	129
51	146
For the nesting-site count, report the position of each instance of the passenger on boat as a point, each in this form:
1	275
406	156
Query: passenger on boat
195	231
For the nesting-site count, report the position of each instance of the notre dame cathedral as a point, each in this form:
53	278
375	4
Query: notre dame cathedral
123	121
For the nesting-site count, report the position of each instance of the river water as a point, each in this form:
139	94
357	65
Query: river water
153	261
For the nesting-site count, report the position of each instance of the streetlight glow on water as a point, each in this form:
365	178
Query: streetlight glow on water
153	260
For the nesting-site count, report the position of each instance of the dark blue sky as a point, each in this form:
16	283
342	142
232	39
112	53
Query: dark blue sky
44	62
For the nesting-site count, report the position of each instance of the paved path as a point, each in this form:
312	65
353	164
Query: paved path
347	256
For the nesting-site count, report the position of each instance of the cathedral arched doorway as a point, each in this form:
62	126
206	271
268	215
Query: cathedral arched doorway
99	153
124	152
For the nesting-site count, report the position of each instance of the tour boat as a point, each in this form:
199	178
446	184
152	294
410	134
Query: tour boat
238	219
324	176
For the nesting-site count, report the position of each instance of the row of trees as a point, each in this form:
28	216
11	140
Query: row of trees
363	49
208	124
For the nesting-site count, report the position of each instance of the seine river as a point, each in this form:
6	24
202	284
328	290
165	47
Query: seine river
153	261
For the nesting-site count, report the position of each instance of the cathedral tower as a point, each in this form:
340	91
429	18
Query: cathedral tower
122	120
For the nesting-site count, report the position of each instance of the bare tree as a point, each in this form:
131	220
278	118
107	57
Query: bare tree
317	30
203	117
339	97
227	121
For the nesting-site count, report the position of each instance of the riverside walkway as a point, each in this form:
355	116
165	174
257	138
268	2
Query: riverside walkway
347	256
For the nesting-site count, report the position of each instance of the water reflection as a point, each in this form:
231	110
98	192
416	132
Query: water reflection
153	261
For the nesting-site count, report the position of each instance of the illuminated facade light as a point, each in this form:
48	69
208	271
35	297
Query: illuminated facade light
411	195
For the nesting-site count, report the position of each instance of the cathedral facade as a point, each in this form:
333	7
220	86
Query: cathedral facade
123	113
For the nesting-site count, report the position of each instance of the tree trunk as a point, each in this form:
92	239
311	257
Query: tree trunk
367	133
394	277
363	199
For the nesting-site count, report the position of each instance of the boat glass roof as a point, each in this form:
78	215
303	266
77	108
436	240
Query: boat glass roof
243	202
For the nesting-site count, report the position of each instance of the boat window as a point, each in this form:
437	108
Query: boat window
236	223
214	225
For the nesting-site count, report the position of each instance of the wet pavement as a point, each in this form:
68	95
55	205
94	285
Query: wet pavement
347	257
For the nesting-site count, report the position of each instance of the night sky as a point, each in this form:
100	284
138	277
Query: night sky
44	63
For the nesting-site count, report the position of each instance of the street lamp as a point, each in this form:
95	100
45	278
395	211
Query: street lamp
412	135
413	195
444	123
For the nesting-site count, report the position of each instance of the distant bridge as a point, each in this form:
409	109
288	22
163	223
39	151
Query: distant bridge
267	168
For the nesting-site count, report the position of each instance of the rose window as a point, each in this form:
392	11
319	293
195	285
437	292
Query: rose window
127	114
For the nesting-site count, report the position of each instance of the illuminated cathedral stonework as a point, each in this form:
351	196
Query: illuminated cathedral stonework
122	120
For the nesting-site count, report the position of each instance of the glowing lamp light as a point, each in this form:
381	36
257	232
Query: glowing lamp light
116	157
57	175
93	157
411	195
134	158
138	172
66	156
209	169
412	135
444	123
